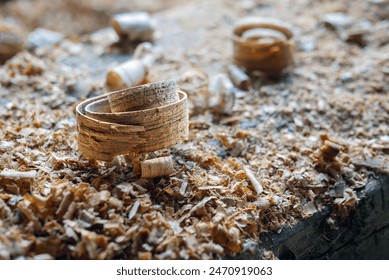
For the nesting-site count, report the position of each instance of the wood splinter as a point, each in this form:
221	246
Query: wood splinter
253	180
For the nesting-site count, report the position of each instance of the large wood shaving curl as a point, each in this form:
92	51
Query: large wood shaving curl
139	119
263	44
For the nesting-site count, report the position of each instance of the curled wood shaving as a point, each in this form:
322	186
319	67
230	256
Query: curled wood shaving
140	119
133	72
134	26
10	43
239	77
263	44
157	167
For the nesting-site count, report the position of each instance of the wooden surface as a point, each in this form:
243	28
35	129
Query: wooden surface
311	138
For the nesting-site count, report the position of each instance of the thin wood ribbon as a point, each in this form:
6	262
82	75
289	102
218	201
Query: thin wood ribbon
268	56
141	119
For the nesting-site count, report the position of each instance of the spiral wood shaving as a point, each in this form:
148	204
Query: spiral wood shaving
140	119
10	44
263	44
